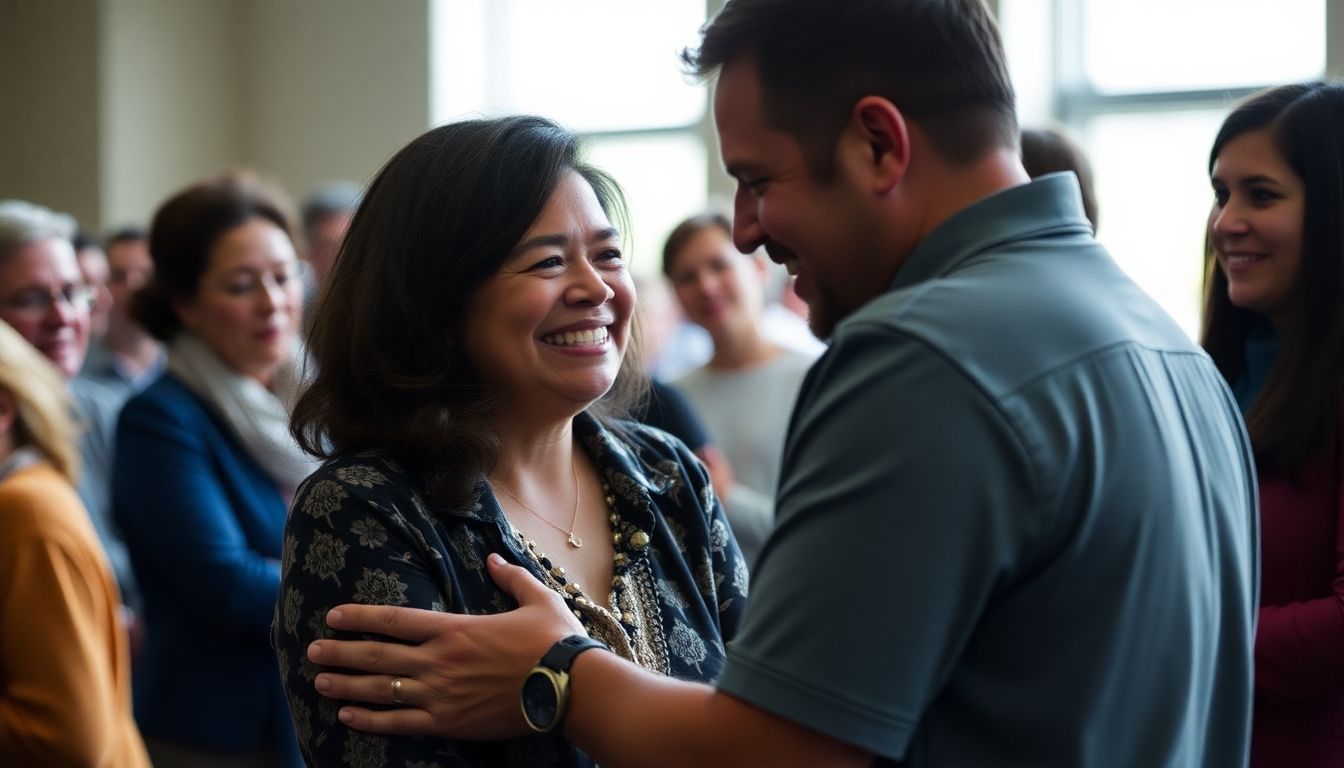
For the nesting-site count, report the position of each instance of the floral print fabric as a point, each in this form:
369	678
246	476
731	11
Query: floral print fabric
360	531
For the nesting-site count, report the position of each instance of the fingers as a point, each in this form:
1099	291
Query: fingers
411	624
365	656
371	689
399	722
517	582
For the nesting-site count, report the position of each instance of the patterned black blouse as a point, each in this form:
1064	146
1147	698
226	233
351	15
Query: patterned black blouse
360	532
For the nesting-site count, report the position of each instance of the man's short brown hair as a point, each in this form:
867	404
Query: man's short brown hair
939	61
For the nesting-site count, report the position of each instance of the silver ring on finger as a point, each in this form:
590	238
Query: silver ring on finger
396	691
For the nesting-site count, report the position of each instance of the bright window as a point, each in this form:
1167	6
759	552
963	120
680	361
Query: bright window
1139	46
608	69
1144	85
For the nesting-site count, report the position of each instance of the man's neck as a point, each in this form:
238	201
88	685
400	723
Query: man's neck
950	191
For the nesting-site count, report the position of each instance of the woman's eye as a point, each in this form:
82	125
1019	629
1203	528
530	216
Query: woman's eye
1264	195
549	263
611	254
1220	197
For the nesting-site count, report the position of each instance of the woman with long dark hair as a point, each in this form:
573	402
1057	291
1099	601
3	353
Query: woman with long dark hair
473	347
1274	324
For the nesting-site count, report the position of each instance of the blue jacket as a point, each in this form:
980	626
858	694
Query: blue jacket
204	524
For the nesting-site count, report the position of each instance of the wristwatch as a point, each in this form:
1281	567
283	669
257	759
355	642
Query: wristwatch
546	687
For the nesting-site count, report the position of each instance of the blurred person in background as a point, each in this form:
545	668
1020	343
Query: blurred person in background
65	689
746	391
325	215
44	297
1274	325
93	266
127	358
205	468
1052	150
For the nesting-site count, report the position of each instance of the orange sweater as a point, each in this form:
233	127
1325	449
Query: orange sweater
65	692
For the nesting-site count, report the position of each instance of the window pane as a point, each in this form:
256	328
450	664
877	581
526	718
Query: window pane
664	181
1154	198
1025	26
1175	45
593	65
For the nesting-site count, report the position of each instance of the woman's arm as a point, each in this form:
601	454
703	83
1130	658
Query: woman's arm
1299	647
342	546
59	700
178	516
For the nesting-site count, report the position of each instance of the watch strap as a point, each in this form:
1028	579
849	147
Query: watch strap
561	655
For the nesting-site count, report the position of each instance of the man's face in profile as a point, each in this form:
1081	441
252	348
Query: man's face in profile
814	228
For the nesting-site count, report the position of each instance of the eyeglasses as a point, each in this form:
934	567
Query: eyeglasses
37	302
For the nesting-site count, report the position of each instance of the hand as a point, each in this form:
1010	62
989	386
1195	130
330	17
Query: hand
461	675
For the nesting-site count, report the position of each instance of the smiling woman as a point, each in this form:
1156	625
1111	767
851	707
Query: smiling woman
1274	324
474	351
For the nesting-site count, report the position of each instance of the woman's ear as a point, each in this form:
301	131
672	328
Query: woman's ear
186	313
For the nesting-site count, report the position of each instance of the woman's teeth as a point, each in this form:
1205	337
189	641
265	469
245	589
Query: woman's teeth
577	338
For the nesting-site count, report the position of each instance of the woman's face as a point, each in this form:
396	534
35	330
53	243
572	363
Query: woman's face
553	323
248	302
1256	224
719	288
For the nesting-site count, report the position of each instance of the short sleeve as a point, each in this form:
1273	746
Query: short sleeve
895	523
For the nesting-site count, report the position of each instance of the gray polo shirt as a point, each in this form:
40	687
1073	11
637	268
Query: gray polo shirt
1016	517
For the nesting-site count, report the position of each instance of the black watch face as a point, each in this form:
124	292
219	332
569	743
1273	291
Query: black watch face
540	700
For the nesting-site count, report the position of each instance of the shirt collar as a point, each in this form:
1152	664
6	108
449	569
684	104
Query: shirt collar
1048	205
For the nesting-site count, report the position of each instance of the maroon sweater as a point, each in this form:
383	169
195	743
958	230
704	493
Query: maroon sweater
1299	644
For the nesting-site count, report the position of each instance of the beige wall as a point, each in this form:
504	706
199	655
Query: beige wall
170	100
333	87
137	98
49	104
109	105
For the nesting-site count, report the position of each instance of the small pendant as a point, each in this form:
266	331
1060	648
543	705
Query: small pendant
575	541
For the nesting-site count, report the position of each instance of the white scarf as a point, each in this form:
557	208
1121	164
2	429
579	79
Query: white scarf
257	415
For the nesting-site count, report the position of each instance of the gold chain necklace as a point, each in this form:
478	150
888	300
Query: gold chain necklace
574	540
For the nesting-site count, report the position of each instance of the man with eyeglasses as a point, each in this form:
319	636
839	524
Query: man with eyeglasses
43	296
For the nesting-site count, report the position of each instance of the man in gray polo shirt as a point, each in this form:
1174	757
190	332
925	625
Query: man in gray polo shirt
1016	519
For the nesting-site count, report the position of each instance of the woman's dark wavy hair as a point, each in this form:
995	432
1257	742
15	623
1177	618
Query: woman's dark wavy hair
438	220
1297	412
183	235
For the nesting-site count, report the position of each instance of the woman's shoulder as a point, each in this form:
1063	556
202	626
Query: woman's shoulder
636	456
37	498
167	396
649	442
369	478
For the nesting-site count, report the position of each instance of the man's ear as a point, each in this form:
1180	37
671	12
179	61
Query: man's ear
883	140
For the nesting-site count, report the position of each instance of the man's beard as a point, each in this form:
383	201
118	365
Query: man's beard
823	313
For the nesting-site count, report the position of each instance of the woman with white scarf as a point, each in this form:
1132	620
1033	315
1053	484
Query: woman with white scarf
205	469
